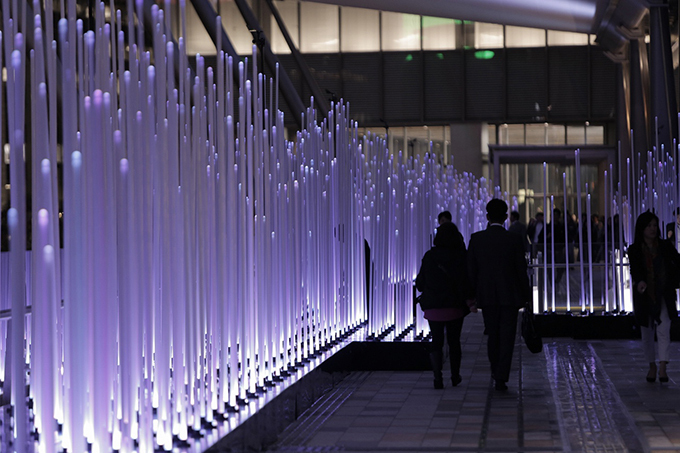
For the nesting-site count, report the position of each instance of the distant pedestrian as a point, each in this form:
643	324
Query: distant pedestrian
535	233
654	269
517	227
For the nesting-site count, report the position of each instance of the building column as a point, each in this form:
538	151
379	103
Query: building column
468	140
639	109
662	86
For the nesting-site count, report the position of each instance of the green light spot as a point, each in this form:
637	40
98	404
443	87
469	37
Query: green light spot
409	57
440	55
484	54
457	21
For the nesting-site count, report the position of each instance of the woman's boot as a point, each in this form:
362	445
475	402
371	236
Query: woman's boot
436	359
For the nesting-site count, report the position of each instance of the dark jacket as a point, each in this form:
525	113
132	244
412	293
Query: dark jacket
645	305
518	227
498	269
443	279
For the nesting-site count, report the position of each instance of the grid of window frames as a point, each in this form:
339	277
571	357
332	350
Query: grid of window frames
546	134
323	28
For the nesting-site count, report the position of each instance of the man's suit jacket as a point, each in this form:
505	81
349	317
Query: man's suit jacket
498	268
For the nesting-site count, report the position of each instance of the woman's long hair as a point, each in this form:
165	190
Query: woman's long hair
641	223
448	236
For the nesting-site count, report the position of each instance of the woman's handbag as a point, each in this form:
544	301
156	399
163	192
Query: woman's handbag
531	338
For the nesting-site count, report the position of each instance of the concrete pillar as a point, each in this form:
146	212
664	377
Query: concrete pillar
662	85
468	140
638	106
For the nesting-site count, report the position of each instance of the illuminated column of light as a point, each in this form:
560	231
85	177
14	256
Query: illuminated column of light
552	252
222	271
577	156
17	229
545	237
612	202
566	241
231	269
607	304
622	266
39	137
399	244
590	250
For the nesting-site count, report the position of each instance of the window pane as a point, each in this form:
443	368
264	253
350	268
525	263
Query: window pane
491	130
595	135
319	28
360	30
576	135
535	134
236	28
565	38
511	134
197	39
524	37
400	31
555	134
438	33
488	36
289	13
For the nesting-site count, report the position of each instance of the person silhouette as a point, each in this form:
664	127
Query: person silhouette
500	284
443	281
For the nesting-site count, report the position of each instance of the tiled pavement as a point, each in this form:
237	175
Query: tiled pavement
577	395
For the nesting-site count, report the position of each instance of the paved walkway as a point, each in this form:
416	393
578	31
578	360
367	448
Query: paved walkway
575	396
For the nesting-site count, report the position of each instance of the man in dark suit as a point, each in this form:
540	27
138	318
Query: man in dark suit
498	275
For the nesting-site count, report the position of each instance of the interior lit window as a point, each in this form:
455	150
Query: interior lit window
360	30
536	134
288	10
564	38
236	28
524	37
491	130
595	135
515	134
576	135
197	38
438	33
319	28
555	134
400	31
488	36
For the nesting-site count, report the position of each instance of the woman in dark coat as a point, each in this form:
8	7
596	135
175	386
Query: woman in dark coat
654	269
443	281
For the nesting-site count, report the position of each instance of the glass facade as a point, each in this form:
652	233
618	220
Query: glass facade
488	36
438	33
400	31
416	140
320	28
524	37
324	28
525	182
548	134
359	30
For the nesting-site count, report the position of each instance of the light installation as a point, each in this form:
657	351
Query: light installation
200	257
